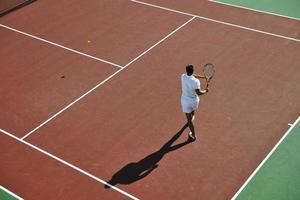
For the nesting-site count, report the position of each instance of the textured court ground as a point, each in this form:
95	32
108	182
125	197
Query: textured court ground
90	95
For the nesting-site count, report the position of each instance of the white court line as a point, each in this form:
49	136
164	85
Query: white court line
108	78
11	193
160	41
217	21
72	103
58	45
68	164
260	11
266	158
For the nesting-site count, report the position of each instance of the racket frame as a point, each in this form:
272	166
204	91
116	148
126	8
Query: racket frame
208	78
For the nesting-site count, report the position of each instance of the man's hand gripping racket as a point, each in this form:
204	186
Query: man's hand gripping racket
208	71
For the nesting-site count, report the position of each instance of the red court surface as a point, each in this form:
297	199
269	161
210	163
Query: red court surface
131	123
118	31
32	89
46	180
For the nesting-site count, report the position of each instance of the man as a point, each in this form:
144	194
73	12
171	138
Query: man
190	96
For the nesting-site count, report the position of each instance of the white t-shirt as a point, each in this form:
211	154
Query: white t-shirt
189	85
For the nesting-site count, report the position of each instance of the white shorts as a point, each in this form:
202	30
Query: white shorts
189	105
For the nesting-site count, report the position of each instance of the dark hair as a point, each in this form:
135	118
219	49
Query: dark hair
189	69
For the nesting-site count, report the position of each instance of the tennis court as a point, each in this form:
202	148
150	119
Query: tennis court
90	100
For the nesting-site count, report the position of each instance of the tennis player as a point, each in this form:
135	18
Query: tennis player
190	96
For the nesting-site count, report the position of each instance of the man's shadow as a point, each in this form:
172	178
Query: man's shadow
137	170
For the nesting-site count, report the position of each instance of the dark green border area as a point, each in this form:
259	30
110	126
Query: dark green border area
6	196
279	177
289	8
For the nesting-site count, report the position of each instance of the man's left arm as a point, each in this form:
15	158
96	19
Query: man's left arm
199	76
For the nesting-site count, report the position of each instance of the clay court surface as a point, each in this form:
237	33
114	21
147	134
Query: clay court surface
90	94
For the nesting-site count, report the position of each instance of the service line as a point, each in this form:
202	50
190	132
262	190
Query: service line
60	46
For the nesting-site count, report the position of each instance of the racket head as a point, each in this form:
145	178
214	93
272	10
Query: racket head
208	71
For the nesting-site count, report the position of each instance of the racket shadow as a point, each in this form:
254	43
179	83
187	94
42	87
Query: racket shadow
135	171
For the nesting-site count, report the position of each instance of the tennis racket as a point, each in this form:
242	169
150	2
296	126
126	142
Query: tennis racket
208	71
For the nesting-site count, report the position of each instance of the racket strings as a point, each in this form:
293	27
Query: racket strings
208	71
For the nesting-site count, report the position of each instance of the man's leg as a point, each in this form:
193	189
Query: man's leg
189	117
193	115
